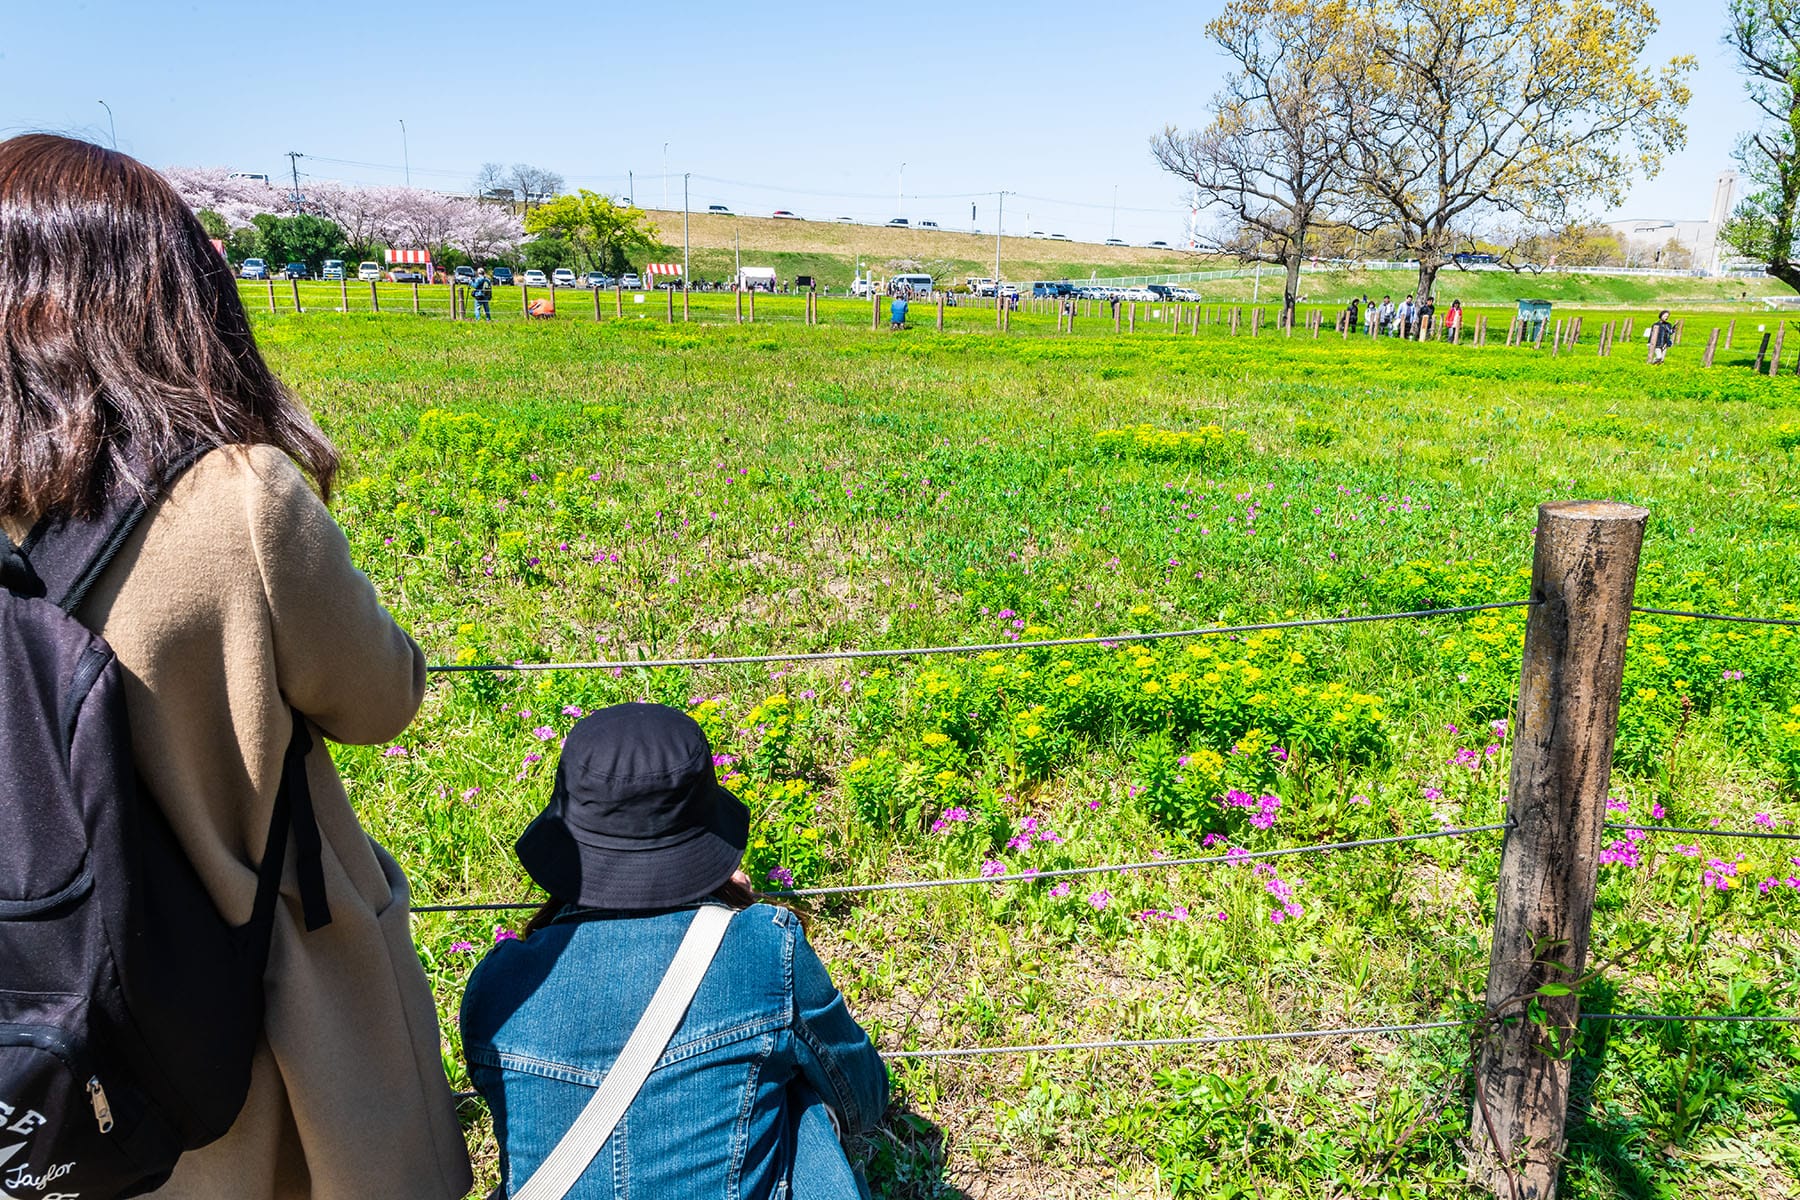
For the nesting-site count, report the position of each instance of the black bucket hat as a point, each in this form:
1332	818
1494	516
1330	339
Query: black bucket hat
637	818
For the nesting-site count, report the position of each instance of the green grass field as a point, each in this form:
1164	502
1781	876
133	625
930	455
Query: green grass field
624	489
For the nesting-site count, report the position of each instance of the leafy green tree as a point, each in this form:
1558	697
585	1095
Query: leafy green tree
600	233
546	252
244	243
302	238
214	224
1765	37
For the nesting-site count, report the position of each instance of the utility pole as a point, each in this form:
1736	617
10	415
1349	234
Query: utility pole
737	253
111	127
665	206
684	231
405	153
630	188
294	157
900	193
999	225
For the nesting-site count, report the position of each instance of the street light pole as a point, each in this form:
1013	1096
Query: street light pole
665	177
405	152
110	125
999	225
685	260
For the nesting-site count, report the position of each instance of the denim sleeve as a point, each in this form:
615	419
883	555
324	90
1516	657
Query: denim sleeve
835	1054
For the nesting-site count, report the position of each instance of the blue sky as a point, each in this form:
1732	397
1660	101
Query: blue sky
811	108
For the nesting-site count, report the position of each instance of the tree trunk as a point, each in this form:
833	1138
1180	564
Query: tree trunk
1428	273
1787	272
1291	290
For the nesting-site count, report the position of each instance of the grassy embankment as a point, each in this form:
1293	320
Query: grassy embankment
571	490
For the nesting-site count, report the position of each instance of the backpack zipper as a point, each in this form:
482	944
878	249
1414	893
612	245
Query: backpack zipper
50	1041
102	1110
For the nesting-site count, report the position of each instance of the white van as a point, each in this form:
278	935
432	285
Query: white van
918	286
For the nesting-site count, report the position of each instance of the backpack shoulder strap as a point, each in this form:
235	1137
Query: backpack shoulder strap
565	1164
67	556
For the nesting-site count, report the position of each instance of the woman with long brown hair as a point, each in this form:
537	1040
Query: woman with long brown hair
124	352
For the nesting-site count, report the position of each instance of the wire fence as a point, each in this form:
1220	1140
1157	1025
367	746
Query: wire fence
1107	640
1705	616
1725	833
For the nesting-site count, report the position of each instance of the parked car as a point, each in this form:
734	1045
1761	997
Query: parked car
502	275
295	270
1161	291
928	224
718	208
1114	242
910	285
407	275
782	214
630	282
1037	233
864	287
1186	295
563	277
333	269
596	279
902	221
368	271
464	275
1141	294
1007	291
253	268
536	278
846	220
1159	245
1059	237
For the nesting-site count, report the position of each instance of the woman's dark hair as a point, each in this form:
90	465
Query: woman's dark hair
122	339
731	894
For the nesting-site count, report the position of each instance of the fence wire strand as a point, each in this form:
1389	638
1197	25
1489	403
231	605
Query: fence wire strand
1728	833
983	648
1700	616
904	885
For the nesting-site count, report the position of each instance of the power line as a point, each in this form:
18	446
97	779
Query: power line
924	651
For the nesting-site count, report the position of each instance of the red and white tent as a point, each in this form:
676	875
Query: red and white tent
408	256
663	269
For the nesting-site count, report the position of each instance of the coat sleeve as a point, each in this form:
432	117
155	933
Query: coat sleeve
340	657
836	1056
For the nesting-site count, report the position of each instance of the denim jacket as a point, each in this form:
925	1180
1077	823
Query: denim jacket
543	1020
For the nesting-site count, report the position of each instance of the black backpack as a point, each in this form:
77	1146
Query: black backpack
129	1009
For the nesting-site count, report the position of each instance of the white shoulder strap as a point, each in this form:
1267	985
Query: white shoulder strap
565	1164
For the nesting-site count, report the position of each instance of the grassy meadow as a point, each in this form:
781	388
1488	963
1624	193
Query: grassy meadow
627	489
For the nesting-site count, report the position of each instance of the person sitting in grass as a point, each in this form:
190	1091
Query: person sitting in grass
757	1067
897	312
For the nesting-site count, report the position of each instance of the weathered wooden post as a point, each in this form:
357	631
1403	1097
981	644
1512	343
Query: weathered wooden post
1255	321
738	295
1628	326
751	314
1762	354
271	283
415	288
1131	318
374	298
1538	344
671	299
343	293
596	306
524	299
1729	330
1712	344
1680	325
1775	354
1583	574
296	284
874	309
1556	338
618	299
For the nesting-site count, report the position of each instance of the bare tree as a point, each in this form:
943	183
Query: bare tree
1764	35
1272	156
1469	113
521	184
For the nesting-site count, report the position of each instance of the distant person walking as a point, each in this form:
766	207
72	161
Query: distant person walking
1355	306
1453	320
1662	336
481	290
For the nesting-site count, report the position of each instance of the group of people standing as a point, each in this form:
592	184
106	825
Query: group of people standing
1412	319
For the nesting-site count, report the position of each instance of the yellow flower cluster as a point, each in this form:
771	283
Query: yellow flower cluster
1147	441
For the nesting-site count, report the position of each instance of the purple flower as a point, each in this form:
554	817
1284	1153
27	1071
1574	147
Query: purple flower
1100	899
394	752
1763	819
471	793
1432	793
781	875
1060	890
503	934
991	867
543	733
571	711
462	947
1656	812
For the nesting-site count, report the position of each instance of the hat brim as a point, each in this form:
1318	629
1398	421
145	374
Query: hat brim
613	876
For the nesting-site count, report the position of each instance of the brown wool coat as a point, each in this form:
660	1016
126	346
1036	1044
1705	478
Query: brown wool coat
234	599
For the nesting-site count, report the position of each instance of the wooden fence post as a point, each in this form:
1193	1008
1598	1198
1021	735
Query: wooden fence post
415	288
1628	324
524	299
671	316
1131	318
752	313
1538	344
271	283
618	299
1775	354
596	306
875	308
1556	338
1255	321
1583	574
1729	330
296	284
940	316
1762	354
1680	325
738	296
343	293
374	298
1712	344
